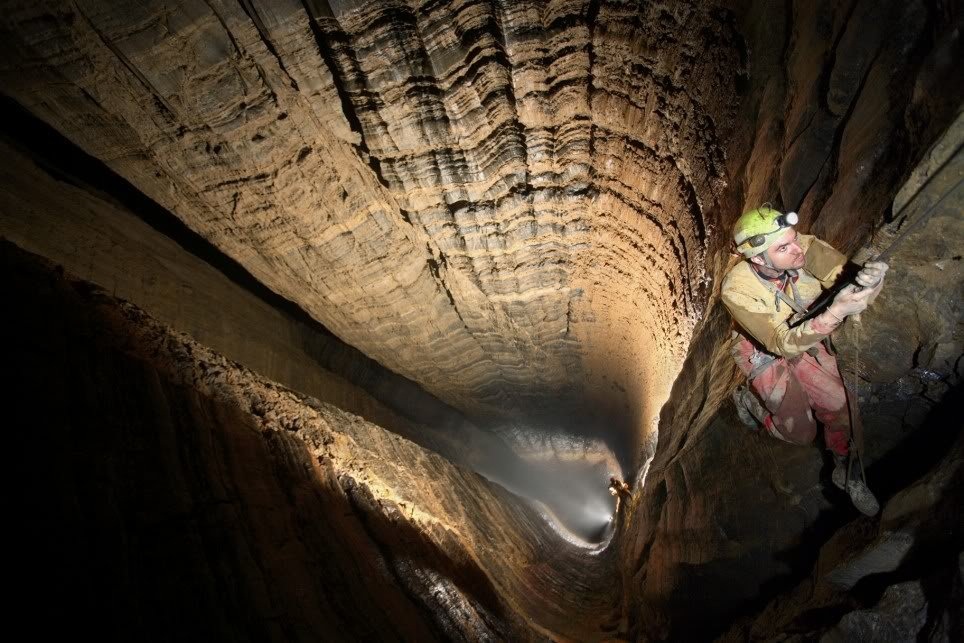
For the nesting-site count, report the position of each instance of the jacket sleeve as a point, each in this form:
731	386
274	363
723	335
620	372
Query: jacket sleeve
823	261
771	328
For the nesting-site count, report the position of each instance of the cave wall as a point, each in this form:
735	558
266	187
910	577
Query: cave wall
727	518
90	235
57	202
900	578
520	185
181	496
60	203
525	206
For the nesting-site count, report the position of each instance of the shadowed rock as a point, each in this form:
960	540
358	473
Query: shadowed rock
464	236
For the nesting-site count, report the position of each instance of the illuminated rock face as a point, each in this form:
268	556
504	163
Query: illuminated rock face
524	208
193	499
503	202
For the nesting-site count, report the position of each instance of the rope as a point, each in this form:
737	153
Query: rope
883	256
817	307
854	408
857	327
828	295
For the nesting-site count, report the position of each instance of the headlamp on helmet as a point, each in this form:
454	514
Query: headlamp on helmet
755	230
782	221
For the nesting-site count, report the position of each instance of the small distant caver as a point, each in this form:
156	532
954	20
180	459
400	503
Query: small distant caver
620	490
793	378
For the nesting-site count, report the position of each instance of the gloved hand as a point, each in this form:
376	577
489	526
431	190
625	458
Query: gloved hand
872	274
850	301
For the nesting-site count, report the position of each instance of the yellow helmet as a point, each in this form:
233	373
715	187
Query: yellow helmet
756	230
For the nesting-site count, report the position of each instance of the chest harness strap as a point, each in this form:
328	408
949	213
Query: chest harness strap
795	304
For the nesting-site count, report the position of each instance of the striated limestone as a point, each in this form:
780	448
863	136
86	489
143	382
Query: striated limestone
524	207
503	202
225	506
92	236
63	205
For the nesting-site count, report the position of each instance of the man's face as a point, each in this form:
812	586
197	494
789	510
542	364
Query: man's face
785	253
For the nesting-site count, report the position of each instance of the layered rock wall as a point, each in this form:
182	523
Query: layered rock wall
66	206
92	236
728	518
525	208
181	496
501	201
61	204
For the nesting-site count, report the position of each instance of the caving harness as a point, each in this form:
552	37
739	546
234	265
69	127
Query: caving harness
795	304
762	360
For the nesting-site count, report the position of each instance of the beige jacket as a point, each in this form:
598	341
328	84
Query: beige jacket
757	313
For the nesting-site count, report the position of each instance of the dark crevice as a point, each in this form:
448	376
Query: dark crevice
53	153
828	68
433	267
592	16
160	102
347	106
921	450
830	162
569	317
252	13
829	165
496	28
656	497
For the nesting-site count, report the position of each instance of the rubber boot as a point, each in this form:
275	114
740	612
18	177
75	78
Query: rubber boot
748	408
862	497
839	475
848	475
